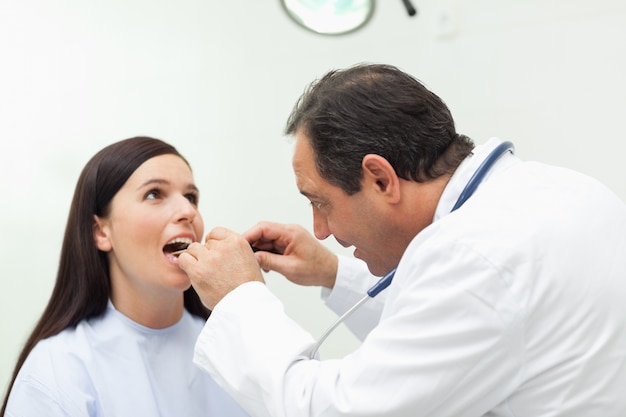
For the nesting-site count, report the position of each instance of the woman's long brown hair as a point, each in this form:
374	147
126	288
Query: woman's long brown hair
82	286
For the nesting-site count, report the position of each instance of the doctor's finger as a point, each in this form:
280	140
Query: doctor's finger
261	231
266	232
186	260
270	261
219	233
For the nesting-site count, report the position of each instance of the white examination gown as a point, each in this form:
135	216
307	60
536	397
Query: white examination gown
513	305
111	366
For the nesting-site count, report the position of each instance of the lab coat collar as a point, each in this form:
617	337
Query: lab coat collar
462	175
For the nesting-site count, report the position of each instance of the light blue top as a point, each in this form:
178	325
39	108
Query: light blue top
111	366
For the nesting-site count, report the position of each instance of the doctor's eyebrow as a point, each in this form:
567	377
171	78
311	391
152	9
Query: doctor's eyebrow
310	196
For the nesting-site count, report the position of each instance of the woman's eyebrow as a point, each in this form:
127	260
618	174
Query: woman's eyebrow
152	181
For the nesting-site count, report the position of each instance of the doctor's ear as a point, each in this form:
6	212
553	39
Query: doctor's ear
101	234
379	172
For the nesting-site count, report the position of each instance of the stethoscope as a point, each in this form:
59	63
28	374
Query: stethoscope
470	187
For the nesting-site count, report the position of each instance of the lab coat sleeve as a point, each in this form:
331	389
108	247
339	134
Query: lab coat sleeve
253	318
445	350
353	281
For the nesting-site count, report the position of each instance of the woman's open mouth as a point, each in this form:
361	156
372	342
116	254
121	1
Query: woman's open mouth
177	246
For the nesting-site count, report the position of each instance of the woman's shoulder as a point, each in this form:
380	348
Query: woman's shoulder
56	367
66	352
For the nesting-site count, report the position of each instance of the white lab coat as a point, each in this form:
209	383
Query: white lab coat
513	305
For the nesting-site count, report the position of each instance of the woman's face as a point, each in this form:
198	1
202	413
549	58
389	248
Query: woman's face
155	208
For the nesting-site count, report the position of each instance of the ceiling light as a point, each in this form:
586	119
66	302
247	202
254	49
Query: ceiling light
330	17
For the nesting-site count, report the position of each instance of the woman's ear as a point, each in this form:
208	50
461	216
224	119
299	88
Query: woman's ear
379	172
101	234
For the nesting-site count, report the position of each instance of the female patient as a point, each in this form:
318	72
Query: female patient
117	336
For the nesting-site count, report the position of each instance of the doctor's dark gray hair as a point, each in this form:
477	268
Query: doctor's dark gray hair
377	109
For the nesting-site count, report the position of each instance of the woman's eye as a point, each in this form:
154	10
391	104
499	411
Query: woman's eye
193	198
152	195
317	205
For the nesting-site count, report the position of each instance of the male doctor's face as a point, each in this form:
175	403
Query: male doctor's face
354	220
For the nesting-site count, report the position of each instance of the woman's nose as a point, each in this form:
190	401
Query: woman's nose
186	210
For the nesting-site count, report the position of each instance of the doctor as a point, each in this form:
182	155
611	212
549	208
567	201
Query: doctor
511	305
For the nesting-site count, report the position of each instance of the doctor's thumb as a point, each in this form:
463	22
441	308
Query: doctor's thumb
263	258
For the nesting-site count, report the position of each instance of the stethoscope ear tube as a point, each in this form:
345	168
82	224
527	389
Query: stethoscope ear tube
481	172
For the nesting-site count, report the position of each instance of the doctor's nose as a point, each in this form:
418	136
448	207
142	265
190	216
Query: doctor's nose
320	225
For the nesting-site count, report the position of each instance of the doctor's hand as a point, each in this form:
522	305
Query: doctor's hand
299	256
219	266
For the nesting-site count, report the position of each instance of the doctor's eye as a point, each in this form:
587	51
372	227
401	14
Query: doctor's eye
317	205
